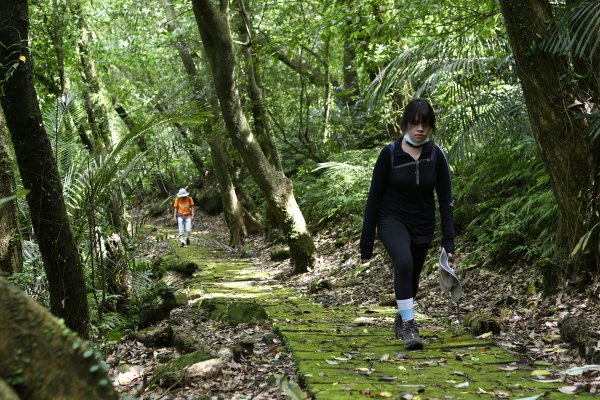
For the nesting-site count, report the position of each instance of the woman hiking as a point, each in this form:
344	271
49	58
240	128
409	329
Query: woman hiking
183	214
401	206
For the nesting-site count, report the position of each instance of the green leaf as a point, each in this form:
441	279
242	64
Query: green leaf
20	193
291	389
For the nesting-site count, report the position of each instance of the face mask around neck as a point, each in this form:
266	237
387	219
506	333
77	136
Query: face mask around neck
413	143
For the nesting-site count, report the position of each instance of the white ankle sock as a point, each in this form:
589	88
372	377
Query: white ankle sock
406	309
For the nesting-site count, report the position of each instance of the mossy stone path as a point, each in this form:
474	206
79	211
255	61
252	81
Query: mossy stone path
347	352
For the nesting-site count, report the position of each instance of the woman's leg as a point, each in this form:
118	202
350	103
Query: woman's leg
419	252
180	225
396	240
188	229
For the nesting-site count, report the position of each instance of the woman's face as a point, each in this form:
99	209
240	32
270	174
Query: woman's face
418	130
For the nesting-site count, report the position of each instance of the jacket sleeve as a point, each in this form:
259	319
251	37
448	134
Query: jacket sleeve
381	173
446	203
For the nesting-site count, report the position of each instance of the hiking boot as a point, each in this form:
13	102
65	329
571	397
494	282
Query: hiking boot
410	336
398	326
187	241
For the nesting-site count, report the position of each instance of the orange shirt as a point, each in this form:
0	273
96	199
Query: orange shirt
184	206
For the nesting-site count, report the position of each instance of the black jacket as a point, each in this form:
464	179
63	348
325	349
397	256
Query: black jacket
405	192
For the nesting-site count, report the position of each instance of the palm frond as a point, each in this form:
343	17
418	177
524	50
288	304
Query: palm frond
439	64
100	175
58	122
575	30
496	116
593	129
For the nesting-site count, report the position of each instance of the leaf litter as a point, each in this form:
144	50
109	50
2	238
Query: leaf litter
514	298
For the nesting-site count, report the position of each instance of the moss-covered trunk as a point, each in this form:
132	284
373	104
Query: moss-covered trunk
11	259
42	358
275	186
231	205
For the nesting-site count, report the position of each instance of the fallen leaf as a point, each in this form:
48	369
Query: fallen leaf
509	368
385	357
366	371
385	394
462	385
341	358
540	372
580	370
532	397
568	389
131	373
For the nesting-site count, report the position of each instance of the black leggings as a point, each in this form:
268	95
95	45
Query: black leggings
407	258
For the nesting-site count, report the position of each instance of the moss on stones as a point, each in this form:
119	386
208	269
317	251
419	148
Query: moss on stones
338	358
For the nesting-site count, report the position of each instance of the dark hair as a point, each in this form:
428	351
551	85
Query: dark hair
418	110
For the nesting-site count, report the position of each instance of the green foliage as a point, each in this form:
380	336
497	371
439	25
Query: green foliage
60	120
574	33
336	190
505	207
32	280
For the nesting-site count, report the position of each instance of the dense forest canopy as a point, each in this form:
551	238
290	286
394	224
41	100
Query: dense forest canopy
274	112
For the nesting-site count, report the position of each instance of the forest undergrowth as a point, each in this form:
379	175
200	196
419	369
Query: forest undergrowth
529	320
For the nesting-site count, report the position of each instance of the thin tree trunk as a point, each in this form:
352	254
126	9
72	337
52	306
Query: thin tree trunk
11	259
191	148
231	207
68	297
124	115
571	159
95	107
261	120
351	88
275	186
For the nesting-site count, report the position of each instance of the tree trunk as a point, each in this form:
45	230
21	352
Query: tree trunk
47	361
68	297
11	259
195	138
231	206
96	109
571	158
261	121
275	186
124	115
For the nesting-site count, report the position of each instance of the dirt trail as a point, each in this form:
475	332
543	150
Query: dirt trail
346	352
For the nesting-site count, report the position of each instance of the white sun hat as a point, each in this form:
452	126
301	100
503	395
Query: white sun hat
182	193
